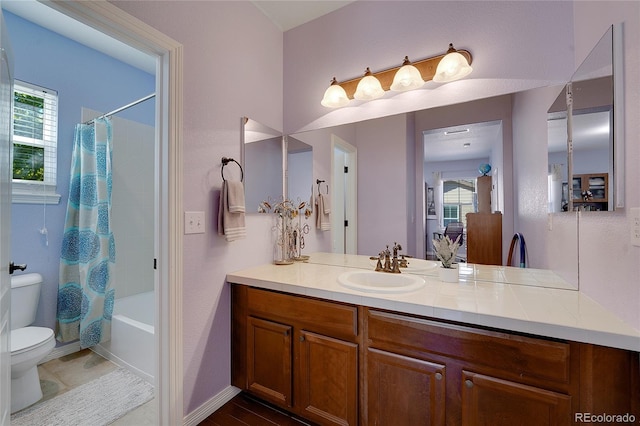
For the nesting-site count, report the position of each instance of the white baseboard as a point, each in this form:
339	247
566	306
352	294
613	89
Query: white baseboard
61	351
205	410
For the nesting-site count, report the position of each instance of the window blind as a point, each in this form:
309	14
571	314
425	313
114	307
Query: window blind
35	133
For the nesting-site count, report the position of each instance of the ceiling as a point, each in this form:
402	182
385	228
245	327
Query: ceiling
448	144
289	14
284	14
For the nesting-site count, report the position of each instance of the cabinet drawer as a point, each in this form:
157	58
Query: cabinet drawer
511	356
330	318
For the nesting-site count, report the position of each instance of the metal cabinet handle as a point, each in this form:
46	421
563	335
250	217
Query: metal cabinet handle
438	376
469	383
302	338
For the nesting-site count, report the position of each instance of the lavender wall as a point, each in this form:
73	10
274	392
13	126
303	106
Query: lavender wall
609	265
507	39
232	68
83	77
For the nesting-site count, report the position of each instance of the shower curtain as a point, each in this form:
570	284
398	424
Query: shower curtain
85	296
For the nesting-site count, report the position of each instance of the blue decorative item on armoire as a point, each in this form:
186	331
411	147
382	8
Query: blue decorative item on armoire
85	296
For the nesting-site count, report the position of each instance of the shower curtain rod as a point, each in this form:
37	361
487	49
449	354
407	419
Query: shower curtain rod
122	108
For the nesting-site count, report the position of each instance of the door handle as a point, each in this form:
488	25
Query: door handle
13	267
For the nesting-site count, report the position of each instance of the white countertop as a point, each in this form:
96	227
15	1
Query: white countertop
516	299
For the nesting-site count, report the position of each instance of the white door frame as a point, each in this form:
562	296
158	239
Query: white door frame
5	225
347	190
119	25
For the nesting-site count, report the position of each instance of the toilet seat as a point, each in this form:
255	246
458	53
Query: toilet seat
26	339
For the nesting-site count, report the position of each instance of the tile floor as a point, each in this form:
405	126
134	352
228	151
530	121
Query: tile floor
65	373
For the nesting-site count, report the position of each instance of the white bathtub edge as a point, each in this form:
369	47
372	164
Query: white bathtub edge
103	352
209	407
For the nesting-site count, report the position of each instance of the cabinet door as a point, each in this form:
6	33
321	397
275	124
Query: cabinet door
404	391
495	402
269	357
328	380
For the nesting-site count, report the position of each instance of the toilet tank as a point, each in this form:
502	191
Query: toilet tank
25	294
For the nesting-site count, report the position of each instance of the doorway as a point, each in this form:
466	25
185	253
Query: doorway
167	54
344	215
451	164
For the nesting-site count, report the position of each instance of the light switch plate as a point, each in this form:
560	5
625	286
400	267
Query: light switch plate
635	226
194	222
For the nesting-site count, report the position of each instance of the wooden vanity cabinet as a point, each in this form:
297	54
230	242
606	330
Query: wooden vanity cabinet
339	364
437	373
298	353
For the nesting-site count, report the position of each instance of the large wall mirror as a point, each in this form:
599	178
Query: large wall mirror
404	159
582	140
263	163
275	166
298	171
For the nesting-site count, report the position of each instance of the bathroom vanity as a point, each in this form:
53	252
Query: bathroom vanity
445	354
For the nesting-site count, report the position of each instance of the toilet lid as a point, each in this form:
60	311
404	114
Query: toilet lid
27	337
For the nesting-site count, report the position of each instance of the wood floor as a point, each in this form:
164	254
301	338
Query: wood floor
247	411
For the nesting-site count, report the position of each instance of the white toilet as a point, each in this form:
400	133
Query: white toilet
29	345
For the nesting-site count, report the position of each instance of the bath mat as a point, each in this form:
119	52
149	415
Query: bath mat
98	402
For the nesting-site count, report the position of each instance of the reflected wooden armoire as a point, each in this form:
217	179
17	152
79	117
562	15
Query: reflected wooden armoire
484	238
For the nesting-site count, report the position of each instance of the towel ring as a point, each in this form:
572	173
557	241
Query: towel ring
318	182
227	160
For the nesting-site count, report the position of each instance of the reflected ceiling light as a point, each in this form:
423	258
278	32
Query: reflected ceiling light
335	96
455	132
452	67
369	87
409	76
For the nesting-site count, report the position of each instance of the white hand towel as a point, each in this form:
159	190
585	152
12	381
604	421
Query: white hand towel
323	221
231	225
235	194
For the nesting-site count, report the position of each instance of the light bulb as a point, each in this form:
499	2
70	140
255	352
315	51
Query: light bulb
334	96
369	88
453	66
407	78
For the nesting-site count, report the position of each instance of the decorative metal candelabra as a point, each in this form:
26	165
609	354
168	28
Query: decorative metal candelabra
289	234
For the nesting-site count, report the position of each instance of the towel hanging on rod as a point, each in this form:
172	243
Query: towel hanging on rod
227	160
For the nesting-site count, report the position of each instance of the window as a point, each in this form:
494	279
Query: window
457	200
35	139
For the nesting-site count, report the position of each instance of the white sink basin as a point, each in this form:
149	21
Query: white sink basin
380	282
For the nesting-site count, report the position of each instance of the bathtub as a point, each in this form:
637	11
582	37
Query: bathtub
132	343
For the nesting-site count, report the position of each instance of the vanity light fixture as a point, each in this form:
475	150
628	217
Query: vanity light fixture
369	87
335	96
452	67
409	76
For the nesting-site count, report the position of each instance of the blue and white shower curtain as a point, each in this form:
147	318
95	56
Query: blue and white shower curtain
85	296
